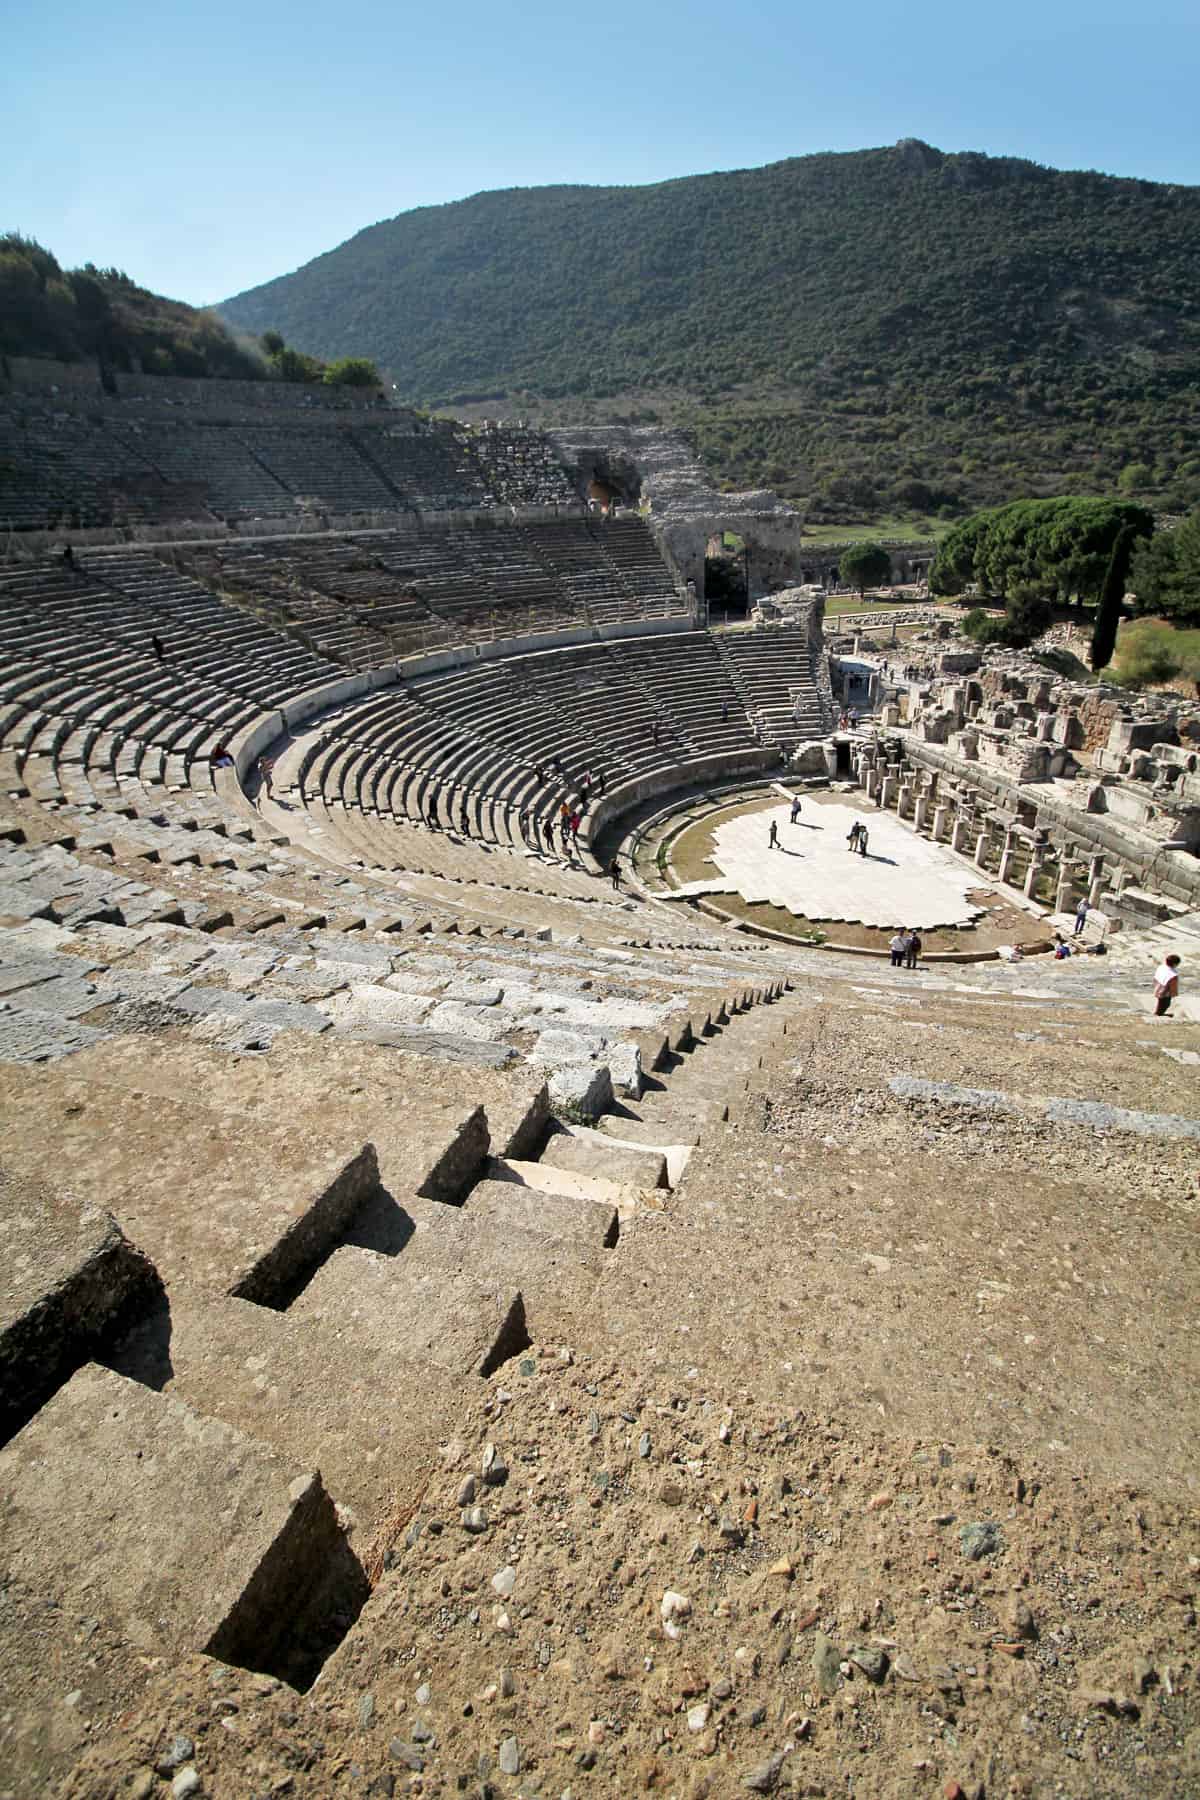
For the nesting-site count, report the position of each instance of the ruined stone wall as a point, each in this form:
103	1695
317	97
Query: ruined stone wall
1096	715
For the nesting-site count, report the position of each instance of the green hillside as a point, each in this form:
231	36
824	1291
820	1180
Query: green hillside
890	330
69	314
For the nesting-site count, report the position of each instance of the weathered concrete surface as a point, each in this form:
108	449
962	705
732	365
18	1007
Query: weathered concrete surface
68	1278
430	1133
587	1152
326	1391
1096	1114
580	1220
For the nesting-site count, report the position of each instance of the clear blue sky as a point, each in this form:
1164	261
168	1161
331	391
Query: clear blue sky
207	148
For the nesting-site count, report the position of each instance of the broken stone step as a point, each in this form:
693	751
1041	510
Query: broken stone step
661	1130
72	1279
459	1323
175	1531
344	1399
543	1178
584	1151
589	1223
233	1207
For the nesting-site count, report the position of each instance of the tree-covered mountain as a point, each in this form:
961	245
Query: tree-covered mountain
70	315
894	330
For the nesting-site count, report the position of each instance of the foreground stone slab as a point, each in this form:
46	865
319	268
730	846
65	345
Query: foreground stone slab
579	1219
324	1390
460	1324
224	1205
185	1534
588	1152
68	1279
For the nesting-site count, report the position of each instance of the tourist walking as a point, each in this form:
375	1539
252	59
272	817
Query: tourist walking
795	809
862	840
852	836
912	949
1081	913
614	870
773	836
1166	985
265	770
896	947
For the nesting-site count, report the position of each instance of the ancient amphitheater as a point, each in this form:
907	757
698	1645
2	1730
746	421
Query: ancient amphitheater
476	1325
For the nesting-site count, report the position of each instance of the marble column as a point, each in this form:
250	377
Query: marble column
1033	873
1095	880
1064	898
941	814
1006	856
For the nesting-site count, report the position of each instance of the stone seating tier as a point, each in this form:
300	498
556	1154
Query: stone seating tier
133	463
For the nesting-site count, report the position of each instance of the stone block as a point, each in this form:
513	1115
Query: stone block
179	1531
586	1088
71	1279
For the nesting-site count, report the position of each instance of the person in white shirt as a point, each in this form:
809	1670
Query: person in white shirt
1166	985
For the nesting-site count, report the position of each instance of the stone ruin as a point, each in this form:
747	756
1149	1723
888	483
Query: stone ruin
1038	770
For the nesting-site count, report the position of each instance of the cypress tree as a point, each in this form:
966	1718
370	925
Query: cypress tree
1112	592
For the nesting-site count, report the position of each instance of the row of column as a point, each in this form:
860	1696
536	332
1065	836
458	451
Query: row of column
893	785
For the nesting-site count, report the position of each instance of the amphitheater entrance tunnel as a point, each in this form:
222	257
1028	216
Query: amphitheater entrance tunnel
607	481
727	574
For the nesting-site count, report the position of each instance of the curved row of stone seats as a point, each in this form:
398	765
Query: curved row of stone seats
773	671
324	465
421	583
62	469
492	750
360	790
125	462
628	544
270	584
434	471
207	469
82	684
295	578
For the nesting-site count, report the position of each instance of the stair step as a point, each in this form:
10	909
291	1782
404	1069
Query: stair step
587	1152
544	1179
182	1533
576	1218
346	1399
633	1124
456	1323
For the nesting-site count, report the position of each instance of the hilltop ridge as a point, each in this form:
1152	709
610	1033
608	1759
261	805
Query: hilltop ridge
900	329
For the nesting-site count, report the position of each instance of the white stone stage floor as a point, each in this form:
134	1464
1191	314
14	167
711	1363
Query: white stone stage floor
903	879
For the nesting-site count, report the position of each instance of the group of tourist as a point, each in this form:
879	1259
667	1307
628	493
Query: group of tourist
904	947
848	720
